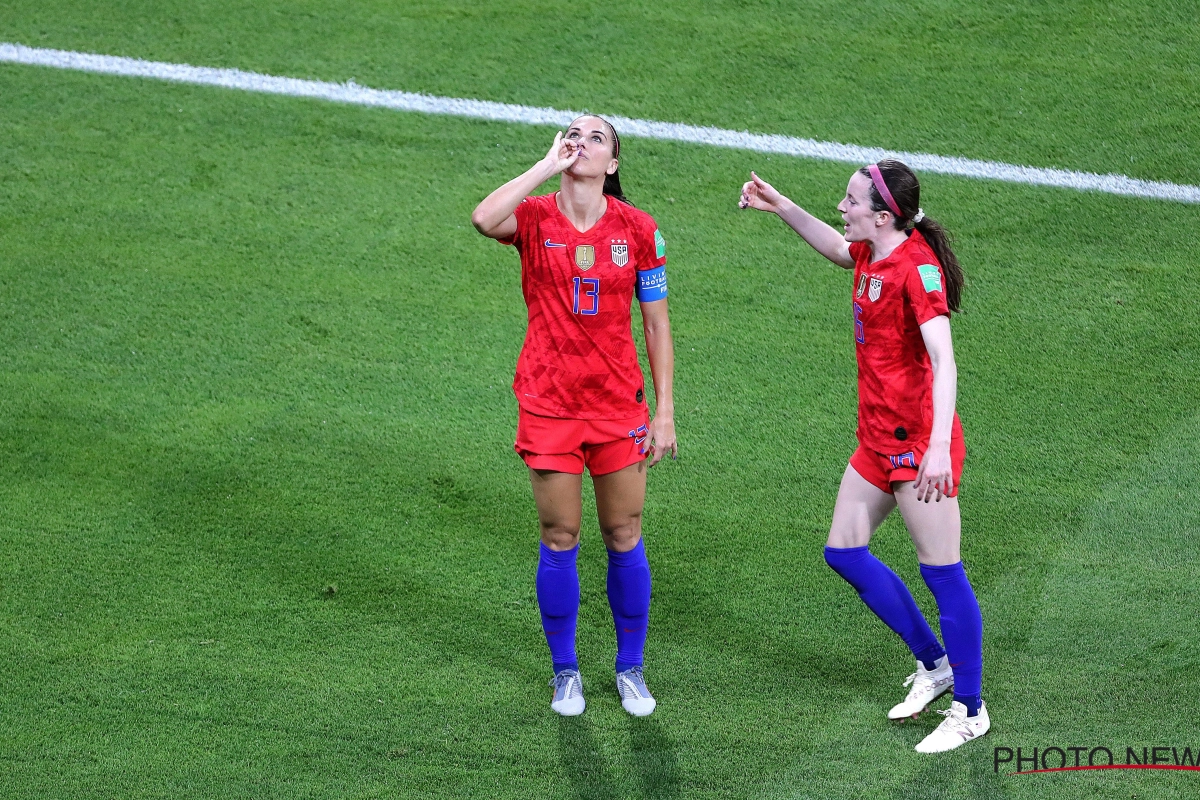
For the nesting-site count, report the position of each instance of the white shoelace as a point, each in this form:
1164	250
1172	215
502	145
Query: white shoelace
628	683
953	723
925	684
572	684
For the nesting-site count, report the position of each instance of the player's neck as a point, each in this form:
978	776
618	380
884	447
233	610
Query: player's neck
885	243
582	203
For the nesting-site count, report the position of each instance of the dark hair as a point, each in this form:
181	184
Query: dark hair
906	191
612	183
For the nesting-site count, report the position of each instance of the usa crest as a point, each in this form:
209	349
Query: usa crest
620	253
585	256
862	287
876	288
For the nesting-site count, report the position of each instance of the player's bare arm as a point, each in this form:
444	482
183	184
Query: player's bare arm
660	351
494	217
935	476
822	237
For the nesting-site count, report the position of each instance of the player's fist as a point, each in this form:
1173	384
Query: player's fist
563	153
757	193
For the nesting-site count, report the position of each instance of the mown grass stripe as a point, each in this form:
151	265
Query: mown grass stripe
352	93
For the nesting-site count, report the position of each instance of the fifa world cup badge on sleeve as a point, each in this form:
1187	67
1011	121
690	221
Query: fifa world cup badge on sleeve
660	244
931	279
620	252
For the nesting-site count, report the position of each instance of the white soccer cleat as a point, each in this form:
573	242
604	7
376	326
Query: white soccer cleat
635	697
956	729
927	686
568	693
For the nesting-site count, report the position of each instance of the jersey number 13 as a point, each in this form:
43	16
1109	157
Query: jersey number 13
587	296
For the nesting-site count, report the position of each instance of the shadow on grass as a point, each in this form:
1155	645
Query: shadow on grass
943	777
652	758
582	762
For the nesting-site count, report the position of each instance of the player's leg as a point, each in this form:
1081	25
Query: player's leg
559	507
620	496
936	530
862	507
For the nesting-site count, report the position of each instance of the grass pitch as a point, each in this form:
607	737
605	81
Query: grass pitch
264	532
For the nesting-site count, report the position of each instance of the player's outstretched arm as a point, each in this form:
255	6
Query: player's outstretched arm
758	194
494	217
660	352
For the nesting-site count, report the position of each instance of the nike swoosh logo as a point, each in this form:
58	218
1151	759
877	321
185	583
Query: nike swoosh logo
555	244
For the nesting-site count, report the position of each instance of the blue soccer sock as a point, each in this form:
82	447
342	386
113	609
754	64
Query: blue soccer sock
886	595
629	598
962	628
558	601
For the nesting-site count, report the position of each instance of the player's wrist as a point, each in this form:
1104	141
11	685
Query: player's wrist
546	169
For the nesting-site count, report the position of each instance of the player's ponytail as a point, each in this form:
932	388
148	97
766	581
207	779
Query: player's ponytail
939	241
612	187
901	182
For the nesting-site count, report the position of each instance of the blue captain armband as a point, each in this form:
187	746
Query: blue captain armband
652	284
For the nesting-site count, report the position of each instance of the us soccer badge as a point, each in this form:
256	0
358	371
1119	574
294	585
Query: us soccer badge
876	288
620	252
862	287
585	256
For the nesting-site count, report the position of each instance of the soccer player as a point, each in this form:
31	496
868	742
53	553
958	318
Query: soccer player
585	251
907	281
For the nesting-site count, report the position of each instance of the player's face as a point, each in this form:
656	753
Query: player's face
594	142
861	222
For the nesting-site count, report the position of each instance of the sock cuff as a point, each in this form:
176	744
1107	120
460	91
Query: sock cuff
845	556
942	570
631	558
560	559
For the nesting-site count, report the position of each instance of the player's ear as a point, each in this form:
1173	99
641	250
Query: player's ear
612	166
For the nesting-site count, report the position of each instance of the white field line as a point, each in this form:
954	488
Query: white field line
350	92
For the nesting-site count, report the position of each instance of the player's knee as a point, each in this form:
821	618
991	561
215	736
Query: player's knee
557	536
623	536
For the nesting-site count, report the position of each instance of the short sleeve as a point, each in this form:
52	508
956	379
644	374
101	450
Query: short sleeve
651	263
526	220
651	247
859	250
926	288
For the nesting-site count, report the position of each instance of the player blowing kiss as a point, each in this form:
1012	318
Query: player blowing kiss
910	453
585	252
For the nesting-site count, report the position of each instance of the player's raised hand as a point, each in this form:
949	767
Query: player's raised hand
935	476
563	153
757	193
661	438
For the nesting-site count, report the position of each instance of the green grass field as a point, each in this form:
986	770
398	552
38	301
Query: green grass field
263	531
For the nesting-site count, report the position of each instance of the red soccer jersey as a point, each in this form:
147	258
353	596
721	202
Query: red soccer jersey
892	298
579	360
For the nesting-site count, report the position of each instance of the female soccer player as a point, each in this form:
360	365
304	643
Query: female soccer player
585	250
906	282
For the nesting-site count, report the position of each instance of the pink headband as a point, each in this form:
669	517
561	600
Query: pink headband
877	179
